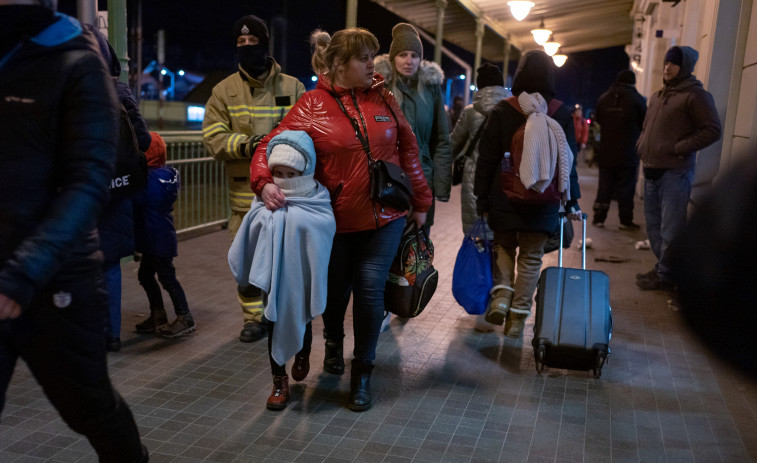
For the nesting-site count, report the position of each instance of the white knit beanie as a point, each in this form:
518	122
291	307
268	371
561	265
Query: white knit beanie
287	155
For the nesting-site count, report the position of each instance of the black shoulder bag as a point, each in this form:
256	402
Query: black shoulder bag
390	185
459	164
130	174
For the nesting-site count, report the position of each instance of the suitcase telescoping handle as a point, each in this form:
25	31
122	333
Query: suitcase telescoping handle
563	217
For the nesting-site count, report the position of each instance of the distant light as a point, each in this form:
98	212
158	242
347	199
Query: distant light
195	113
163	72
473	88
181	72
551	48
314	78
461	77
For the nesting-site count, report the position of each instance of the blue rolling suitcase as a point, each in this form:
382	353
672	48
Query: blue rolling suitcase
573	316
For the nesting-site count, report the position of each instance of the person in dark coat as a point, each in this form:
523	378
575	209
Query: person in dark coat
681	120
59	126
521	228
116	224
620	114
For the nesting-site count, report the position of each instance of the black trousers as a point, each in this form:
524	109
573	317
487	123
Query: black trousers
163	266
307	342
61	337
616	183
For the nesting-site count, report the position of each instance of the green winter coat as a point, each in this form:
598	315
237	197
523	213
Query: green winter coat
428	118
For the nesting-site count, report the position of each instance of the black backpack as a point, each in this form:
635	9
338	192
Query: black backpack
412	277
130	175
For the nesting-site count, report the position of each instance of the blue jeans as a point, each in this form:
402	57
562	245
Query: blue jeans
112	276
665	202
359	265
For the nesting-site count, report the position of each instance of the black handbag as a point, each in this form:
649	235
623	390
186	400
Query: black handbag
390	185
458	164
412	277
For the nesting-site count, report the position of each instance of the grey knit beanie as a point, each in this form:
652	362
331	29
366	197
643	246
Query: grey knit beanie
405	37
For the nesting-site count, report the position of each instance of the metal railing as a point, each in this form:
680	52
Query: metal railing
203	202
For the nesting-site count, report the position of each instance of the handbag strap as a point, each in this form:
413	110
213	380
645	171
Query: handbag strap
473	143
362	138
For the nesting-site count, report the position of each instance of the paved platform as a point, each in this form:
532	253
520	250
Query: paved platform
443	392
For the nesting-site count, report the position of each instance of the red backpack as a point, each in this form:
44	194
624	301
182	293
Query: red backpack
510	181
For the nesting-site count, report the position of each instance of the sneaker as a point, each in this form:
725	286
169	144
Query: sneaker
182	326
646	276
598	224
629	226
654	283
156	319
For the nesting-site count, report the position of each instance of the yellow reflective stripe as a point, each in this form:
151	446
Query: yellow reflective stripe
257	303
212	129
232	143
241	195
257	111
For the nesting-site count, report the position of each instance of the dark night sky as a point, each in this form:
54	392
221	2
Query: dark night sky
198	38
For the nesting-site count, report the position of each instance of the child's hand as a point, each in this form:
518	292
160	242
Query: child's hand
272	197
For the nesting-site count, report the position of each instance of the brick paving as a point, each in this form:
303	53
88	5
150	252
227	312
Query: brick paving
443	392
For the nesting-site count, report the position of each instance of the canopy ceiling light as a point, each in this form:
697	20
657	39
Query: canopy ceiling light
541	35
520	9
551	48
559	60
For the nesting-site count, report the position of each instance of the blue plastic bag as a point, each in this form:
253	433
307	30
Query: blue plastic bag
472	276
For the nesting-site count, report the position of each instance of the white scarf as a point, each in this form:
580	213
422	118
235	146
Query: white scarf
545	148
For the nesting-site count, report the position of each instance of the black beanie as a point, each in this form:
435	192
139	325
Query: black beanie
489	75
251	25
626	77
675	56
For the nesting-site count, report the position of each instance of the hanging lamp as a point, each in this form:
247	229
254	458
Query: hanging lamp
541	35
559	60
520	9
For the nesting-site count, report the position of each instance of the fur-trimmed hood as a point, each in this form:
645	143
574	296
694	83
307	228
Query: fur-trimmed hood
429	72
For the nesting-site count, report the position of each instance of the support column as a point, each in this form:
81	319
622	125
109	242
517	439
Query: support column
441	5
351	19
506	60
117	34
86	11
480	29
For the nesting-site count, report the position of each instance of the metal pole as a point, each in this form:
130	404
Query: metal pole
117	35
161	60
86	11
506	64
480	25
440	6
351	19
138	40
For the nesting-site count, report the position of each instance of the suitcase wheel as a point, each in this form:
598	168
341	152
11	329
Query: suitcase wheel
597	372
601	357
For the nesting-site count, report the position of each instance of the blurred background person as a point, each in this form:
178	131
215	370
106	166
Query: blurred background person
620	114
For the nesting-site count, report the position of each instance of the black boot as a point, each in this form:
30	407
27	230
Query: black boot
360	387
333	360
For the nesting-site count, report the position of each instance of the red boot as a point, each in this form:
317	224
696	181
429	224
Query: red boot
279	394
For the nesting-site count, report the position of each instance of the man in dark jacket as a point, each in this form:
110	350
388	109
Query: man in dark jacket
681	120
620	114
59	132
519	227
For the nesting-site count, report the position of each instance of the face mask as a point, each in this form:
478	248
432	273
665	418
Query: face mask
253	58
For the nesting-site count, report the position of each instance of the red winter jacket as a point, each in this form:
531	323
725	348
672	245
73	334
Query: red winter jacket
342	165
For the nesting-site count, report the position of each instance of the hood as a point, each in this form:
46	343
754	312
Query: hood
485	99
429	73
535	73
106	51
688	61
300	141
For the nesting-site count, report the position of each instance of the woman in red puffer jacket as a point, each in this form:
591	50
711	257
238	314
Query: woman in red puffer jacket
367	233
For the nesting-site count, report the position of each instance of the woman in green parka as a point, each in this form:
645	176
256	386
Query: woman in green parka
416	84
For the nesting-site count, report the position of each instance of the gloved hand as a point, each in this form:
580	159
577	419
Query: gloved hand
252	145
